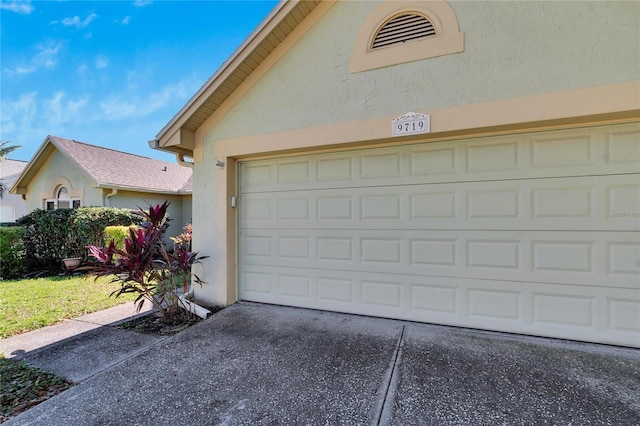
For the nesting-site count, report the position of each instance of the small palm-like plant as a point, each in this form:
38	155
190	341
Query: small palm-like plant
144	266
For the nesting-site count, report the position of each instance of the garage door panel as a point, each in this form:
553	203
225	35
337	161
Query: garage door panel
573	149
623	259
583	203
580	152
623	202
532	308
624	314
488	156
534	233
623	144
581	258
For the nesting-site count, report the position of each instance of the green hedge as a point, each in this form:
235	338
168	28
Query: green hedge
53	235
11	252
117	234
90	222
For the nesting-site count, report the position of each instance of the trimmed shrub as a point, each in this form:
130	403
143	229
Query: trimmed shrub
11	252
46	239
117	234
53	235
89	222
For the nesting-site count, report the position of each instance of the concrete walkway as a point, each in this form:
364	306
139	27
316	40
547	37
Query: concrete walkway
269	365
80	347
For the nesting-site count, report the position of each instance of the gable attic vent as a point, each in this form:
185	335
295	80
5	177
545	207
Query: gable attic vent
403	28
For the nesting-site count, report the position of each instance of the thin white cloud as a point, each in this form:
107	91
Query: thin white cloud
77	22
125	20
101	62
168	94
18	115
47	55
60	111
21	7
24	70
117	109
127	106
29	118
141	3
54	107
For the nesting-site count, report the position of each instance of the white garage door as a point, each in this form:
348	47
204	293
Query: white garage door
535	233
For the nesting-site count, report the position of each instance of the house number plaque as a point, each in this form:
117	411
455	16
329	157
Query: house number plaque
411	123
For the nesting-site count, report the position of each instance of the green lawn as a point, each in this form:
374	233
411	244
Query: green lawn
26	305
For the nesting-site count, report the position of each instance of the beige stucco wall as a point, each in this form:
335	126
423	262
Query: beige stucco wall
59	167
177	207
187	213
512	50
206	240
44	183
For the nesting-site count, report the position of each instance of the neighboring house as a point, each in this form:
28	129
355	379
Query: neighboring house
12	206
67	174
474	164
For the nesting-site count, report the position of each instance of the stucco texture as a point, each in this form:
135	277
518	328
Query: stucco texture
59	166
512	49
205	220
179	214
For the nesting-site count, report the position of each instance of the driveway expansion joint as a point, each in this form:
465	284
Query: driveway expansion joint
123	359
390	381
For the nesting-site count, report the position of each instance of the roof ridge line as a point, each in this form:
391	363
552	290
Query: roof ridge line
110	149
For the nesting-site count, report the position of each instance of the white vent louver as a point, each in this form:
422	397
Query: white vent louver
403	28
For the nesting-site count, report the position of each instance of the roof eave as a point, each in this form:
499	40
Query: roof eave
145	190
178	149
21	184
174	137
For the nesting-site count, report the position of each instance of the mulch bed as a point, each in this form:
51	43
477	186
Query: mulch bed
153	323
23	386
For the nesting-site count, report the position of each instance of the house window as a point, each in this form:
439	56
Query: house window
394	34
62	201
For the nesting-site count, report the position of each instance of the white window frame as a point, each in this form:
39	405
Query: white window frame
56	200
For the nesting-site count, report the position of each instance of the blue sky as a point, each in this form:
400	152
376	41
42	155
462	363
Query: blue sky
110	73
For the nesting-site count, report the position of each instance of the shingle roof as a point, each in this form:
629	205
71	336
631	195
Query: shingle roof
11	168
108	167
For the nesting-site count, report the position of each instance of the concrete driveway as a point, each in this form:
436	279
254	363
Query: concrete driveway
267	365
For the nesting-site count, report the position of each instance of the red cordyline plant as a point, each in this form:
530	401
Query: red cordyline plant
145	267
